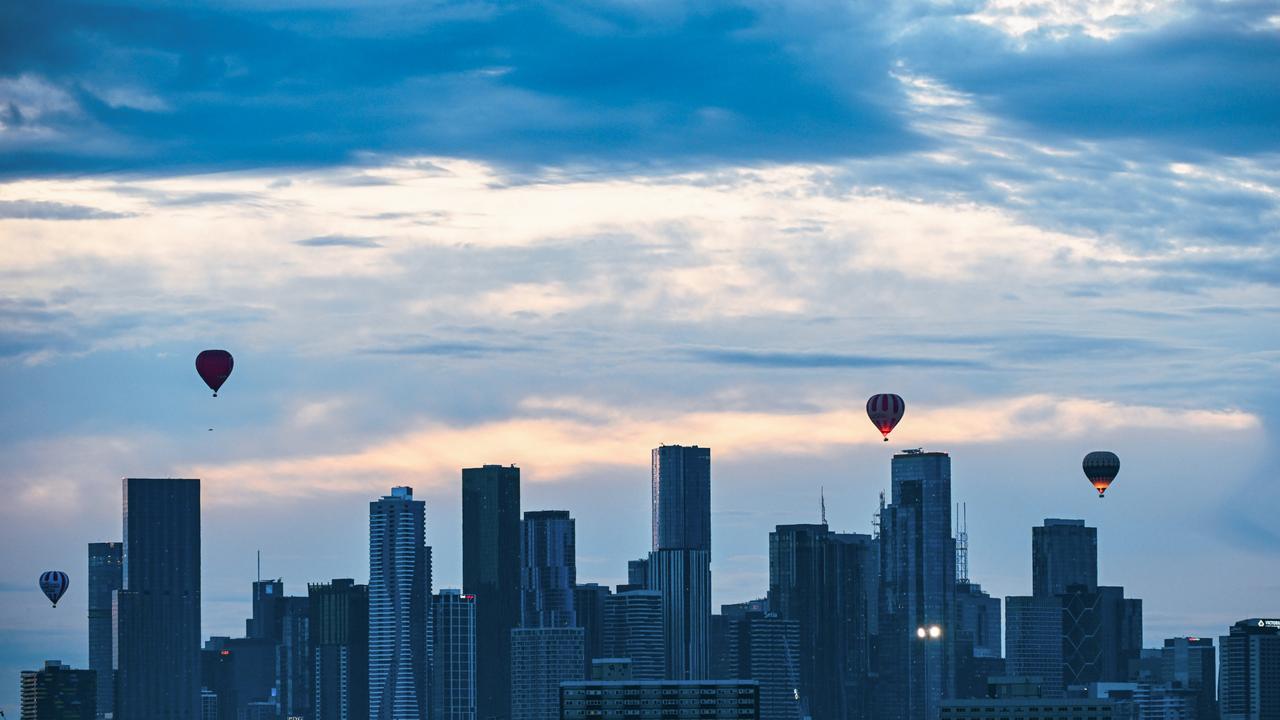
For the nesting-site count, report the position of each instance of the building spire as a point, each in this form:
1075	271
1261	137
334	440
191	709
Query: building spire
822	502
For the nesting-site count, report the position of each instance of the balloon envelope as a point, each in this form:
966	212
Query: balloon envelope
54	584
885	411
214	366
1101	467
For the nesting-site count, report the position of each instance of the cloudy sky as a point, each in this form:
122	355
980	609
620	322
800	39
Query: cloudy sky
440	234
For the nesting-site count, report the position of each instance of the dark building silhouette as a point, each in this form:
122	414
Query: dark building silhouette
680	565
238	672
1190	663
157	609
681	491
491	572
267	621
548	569
1063	553
339	627
541	659
399	608
1101	634
1033	641
820	580
1249	670
766	648
58	692
978	639
917	656
453	683
633	629
294	662
588	606
105	577
638	572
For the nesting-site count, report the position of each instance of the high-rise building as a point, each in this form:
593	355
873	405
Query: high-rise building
294	663
239	672
767	650
156	613
548	569
683	579
541	659
339	629
918	585
1101	634
978	619
491	572
268	611
399	608
588	605
1063	553
660	699
104	579
633	629
1033	641
681	489
454	670
638	573
58	692
1190	663
1249	670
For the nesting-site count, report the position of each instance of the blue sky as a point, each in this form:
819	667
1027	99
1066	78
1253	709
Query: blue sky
444	234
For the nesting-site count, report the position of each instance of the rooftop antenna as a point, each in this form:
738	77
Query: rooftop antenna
259	566
962	542
822	502
875	519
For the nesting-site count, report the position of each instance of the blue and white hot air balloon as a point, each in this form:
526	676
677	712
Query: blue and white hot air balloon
54	584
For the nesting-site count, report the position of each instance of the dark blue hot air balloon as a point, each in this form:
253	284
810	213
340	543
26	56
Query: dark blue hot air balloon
54	584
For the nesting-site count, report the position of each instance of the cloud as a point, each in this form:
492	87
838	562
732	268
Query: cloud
44	210
552	438
351	241
810	360
446	349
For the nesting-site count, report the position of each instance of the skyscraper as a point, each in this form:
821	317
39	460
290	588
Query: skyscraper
454	671
978	637
548	569
588	606
1033	640
399	608
1189	663
491	572
294	662
680	565
340	650
918	584
681	490
766	648
156	624
633	629
541	659
1249	670
1101	634
104	579
1063	553
58	692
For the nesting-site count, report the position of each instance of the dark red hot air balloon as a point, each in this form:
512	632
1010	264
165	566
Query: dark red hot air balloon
214	366
1101	467
885	411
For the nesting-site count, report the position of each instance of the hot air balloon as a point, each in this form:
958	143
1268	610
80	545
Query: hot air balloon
1101	467
885	411
54	584
214	366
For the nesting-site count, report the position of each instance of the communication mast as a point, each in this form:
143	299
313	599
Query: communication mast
875	519
962	542
822	502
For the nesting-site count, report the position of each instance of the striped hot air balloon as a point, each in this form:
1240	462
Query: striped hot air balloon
54	584
1101	467
885	411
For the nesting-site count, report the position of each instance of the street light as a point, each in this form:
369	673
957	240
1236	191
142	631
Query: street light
933	632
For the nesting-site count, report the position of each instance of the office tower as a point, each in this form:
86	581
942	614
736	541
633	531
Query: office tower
294	661
683	578
656	700
1190	663
1033	641
1063	553
156	625
548	569
767	650
339	627
1101	634
268	611
454	669
588	605
978	637
399	608
58	692
104	579
681	489
638	573
724	635
491	572
1249	670
918	585
633	629
239	672
541	659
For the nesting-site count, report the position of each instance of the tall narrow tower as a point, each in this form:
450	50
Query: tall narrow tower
491	572
680	565
104	579
399	608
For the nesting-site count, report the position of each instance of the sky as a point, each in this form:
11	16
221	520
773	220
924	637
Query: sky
442	234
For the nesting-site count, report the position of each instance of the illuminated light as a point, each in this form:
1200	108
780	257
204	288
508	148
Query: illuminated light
226	652
935	632
920	633
468	597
